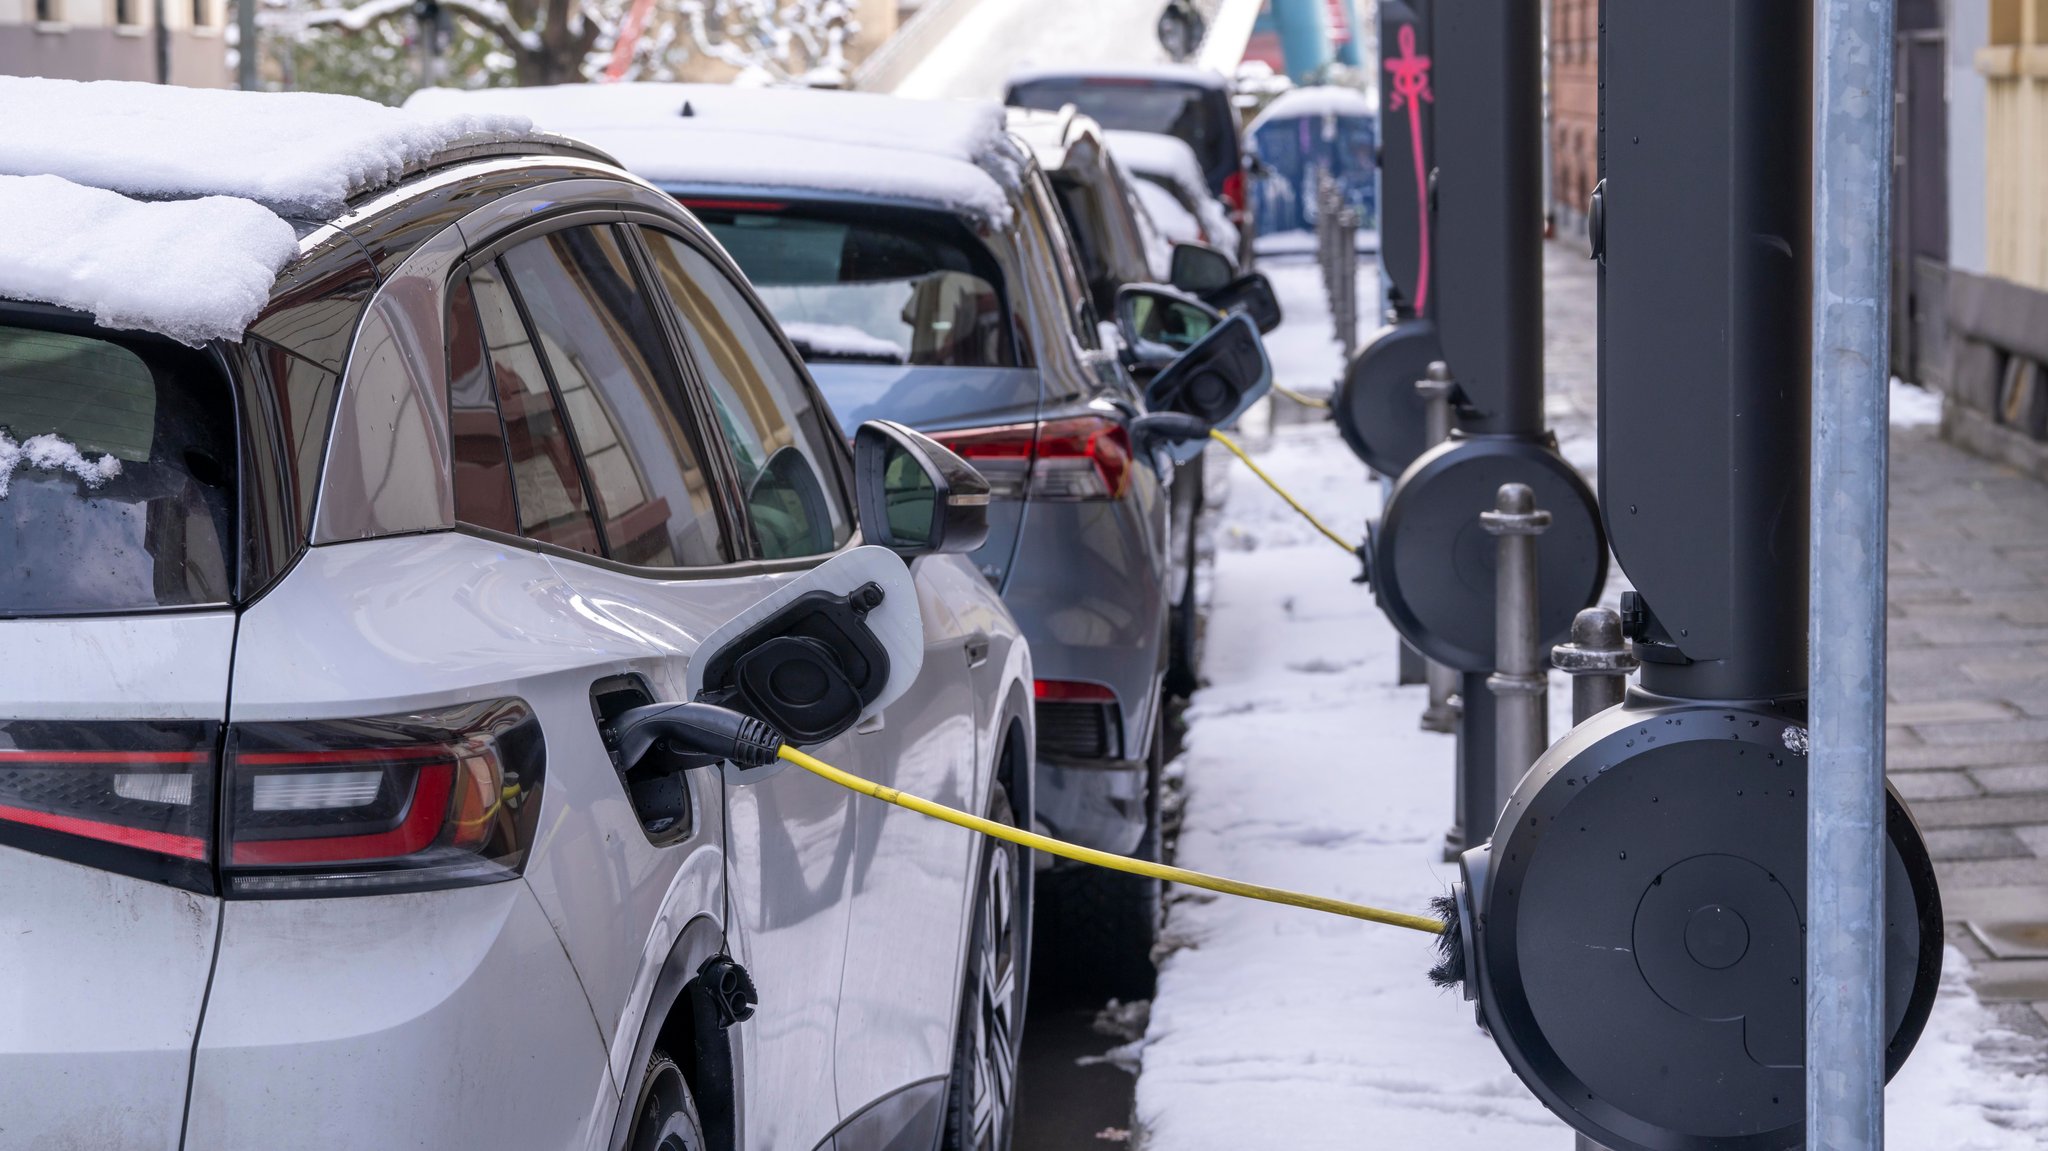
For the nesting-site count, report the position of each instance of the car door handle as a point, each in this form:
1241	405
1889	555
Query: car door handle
977	649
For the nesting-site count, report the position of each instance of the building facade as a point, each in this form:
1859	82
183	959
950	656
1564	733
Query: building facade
163	41
1574	27
1971	269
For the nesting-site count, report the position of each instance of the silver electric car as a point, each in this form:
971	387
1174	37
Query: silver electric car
314	830
918	258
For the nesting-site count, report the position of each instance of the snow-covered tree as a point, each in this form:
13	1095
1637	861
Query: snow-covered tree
372	47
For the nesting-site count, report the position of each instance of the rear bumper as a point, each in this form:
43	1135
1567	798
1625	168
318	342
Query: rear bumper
437	1019
1098	803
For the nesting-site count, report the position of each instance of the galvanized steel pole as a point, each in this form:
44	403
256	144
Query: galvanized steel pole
1852	133
1520	687
245	47
1435	390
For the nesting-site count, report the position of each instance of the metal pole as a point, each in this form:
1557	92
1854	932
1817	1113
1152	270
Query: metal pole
245	51
1435	390
1520	687
1598	661
1845	833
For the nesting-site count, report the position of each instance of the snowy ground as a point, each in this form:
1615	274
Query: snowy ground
1305	768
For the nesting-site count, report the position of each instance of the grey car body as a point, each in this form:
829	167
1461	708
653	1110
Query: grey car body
516	1005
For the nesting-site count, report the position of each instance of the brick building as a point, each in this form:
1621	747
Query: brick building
1574	112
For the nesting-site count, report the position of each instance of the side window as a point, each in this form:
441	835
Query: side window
551	503
781	436
1059	246
483	475
607	355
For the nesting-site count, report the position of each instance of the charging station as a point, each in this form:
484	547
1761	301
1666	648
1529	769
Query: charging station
1635	932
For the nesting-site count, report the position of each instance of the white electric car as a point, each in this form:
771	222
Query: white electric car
310	835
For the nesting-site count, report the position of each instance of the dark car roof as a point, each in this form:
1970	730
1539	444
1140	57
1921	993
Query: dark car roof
1183	74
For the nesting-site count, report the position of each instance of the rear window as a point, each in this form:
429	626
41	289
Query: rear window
861	287
117	469
1143	106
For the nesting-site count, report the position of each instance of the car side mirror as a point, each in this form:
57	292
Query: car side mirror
1158	324
915	496
1251	294
1199	268
1214	381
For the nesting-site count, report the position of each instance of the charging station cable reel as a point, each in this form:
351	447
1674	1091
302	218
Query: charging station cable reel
1379	413
1633	936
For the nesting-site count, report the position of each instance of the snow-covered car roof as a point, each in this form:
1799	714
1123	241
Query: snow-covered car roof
953	154
1168	160
169	209
1321	100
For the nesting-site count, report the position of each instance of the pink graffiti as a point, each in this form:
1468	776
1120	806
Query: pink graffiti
1410	82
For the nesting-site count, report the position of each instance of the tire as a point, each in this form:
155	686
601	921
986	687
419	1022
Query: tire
981	1095
1097	926
1183	632
666	1116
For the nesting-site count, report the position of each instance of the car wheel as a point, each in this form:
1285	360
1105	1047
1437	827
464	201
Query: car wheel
981	1097
1183	635
1098	926
666	1118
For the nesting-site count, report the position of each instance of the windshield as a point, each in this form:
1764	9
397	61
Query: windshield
117	465
865	285
1147	106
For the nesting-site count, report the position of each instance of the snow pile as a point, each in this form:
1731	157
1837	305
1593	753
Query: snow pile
1275	1027
52	453
295	152
954	153
193	270
1914	406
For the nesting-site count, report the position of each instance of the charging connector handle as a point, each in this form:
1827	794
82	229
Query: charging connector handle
705	729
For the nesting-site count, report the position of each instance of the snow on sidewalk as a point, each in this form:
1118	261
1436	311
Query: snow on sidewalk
1305	768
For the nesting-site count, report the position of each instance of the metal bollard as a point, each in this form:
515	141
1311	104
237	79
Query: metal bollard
1435	390
1597	659
1519	681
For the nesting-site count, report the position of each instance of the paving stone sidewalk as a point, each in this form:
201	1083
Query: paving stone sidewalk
1967	713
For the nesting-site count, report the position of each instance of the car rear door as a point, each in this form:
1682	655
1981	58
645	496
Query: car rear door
117	500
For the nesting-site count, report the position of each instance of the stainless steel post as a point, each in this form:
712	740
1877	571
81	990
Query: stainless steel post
1519	684
1597	659
1435	390
1845	831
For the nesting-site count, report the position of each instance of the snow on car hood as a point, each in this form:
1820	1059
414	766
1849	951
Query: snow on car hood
193	270
293	152
953	153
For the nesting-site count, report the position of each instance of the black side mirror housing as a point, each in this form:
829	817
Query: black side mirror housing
1251	294
915	496
1200	269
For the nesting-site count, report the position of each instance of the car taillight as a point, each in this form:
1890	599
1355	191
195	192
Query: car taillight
395	803
399	803
1077	458
1233	190
1071	691
134	797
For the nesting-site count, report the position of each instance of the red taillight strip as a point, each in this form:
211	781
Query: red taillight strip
328	758
701	204
1071	691
422	823
162	842
16	756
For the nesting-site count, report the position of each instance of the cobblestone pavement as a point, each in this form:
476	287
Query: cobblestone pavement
1967	742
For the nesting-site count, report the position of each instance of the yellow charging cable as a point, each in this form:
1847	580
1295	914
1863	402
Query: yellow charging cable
1350	549
1106	859
1302	398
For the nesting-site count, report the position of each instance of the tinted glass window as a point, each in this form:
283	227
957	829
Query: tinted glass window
606	350
780	436
483	474
551	503
1188	113
864	287
1059	246
117	466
